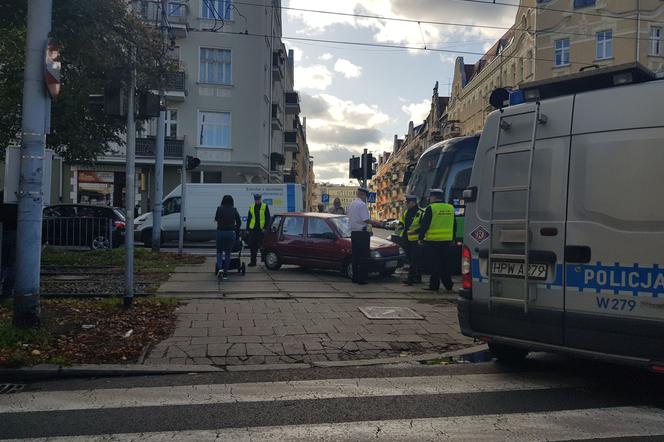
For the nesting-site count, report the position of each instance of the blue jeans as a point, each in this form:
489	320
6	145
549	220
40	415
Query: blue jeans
225	242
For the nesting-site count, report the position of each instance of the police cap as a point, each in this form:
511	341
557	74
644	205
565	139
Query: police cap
257	196
363	189
436	192
411	198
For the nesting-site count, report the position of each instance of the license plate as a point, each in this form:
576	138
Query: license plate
513	269
391	264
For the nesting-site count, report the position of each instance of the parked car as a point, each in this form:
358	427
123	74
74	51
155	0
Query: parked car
322	240
82	225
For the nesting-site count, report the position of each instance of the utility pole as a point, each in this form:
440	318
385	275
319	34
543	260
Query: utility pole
183	195
35	114
131	182
159	145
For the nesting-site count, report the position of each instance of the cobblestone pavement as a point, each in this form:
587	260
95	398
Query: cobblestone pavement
296	316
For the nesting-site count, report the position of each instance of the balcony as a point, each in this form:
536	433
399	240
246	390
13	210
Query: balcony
290	141
276	117
174	85
173	147
277	66
292	103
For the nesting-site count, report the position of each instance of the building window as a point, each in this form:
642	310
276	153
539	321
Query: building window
215	66
171	123
216	9
211	177
176	9
656	40
604	45
583	3
215	129
562	52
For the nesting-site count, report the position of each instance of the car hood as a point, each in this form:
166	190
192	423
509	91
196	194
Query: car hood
141	219
379	243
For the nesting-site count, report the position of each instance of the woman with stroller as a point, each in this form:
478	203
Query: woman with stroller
228	230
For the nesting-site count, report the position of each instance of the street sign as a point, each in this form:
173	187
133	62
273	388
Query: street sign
325	198
372	197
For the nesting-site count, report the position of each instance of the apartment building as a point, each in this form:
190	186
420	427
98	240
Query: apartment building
388	183
598	33
345	193
231	103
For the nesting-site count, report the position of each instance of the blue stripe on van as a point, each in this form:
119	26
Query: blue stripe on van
290	197
616	278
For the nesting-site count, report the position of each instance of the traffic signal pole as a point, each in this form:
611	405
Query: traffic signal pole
35	113
183	193
159	147
130	185
365	172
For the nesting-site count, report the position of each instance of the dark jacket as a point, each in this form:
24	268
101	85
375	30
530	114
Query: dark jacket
227	218
267	218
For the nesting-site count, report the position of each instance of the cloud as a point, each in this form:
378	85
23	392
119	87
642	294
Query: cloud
417	111
324	109
326	57
347	135
348	69
314	106
316	77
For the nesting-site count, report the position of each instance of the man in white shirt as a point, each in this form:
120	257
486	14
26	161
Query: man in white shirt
360	220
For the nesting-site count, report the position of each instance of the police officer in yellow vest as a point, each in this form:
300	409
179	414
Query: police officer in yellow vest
410	221
436	235
258	220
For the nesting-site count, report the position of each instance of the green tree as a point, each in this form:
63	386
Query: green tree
95	37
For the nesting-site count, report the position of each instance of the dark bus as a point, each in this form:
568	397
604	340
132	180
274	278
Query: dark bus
446	165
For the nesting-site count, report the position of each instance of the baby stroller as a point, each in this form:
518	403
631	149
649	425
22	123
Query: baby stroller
236	261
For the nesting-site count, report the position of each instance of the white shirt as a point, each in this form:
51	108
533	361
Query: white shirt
358	213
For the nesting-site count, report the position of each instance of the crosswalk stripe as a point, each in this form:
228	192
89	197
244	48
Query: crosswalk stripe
280	391
595	423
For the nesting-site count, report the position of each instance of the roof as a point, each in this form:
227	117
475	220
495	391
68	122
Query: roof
311	214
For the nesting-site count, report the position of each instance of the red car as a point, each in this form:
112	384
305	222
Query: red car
321	240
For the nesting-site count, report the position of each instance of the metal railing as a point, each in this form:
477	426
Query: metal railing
92	233
174	81
173	147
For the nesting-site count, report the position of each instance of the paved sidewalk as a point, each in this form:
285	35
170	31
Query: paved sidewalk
299	316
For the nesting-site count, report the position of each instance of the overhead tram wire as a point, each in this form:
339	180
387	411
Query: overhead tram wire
392	46
456	24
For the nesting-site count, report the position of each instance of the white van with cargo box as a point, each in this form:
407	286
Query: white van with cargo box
201	202
564	235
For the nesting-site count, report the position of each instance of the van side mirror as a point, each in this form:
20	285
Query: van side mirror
470	194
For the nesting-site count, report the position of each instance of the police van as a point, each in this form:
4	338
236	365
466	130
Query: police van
564	239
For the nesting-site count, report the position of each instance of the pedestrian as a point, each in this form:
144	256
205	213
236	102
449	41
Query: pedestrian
436	235
228	230
360	220
258	220
410	220
336	207
321	208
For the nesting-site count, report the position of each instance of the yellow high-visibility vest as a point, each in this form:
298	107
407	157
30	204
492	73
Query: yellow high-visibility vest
261	212
442	223
412	234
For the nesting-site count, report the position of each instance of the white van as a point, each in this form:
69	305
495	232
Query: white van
201	202
573	193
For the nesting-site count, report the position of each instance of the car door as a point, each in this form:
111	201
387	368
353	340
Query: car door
292	243
323	244
500	303
615	234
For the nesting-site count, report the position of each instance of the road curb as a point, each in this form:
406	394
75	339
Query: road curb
47	371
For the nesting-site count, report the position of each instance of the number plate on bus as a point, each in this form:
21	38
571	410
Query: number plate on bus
513	269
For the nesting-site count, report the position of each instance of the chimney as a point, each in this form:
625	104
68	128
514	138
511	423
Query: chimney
410	129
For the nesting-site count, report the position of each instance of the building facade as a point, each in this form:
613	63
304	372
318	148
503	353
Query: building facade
388	183
231	103
345	193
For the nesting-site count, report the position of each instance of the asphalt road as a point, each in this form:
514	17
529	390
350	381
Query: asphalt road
548	398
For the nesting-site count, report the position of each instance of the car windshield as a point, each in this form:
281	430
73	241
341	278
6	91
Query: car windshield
343	226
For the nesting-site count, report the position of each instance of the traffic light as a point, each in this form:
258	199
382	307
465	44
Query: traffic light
355	168
191	163
149	105
115	101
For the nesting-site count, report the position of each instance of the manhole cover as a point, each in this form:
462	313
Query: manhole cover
70	277
389	313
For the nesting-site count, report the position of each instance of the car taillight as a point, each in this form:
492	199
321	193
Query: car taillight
120	225
466	269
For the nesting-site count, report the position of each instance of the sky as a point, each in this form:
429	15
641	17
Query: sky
357	97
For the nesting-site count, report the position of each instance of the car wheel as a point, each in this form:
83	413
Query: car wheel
100	243
507	354
272	260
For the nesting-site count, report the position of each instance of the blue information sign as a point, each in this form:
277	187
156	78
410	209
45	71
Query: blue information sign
372	197
325	198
